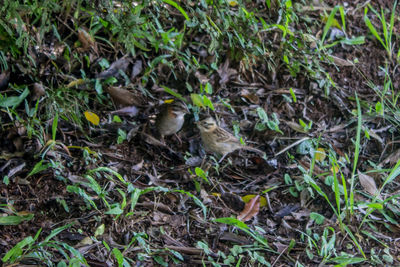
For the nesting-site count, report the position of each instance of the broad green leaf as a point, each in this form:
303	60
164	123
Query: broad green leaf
38	168
13	101
197	100
14	220
118	256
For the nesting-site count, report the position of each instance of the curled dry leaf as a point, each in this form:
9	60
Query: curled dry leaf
251	96
138	166
342	62
374	135
136	69
130	111
250	210
205	196
280	247
87	40
368	183
38	91
121	97
119	65
391	159
295	126
225	73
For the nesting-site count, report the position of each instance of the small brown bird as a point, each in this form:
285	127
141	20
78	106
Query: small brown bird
171	118
218	140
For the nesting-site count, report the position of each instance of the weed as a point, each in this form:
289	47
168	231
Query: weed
387	29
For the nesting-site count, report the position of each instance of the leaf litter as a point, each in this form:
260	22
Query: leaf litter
142	159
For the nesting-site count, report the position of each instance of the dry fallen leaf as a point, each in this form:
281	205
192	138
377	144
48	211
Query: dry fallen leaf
248	198
92	117
121	96
251	96
87	40
205	196
130	111
280	247
342	62
391	159
295	126
368	183
250	210
136	69
202	78
225	73
38	91
119	65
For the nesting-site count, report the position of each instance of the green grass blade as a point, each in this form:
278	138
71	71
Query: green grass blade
356	154
172	92
329	23
174	4
372	28
342	15
384	29
54	127
355	241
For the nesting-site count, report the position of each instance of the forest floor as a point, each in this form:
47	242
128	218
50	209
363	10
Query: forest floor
85	178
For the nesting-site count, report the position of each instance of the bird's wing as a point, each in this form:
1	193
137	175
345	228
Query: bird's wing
225	136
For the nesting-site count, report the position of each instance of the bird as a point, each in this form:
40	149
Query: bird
171	118
216	139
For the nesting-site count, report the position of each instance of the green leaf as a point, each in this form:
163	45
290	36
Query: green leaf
347	260
13	101
376	206
262	114
118	255
56	232
174	4
372	28
293	95
318	218
232	221
199	172
172	92
208	88
208	102
197	100
14	220
99	230
195	199
98	87
38	168
330	21
17	251
54	127
82	193
115	209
